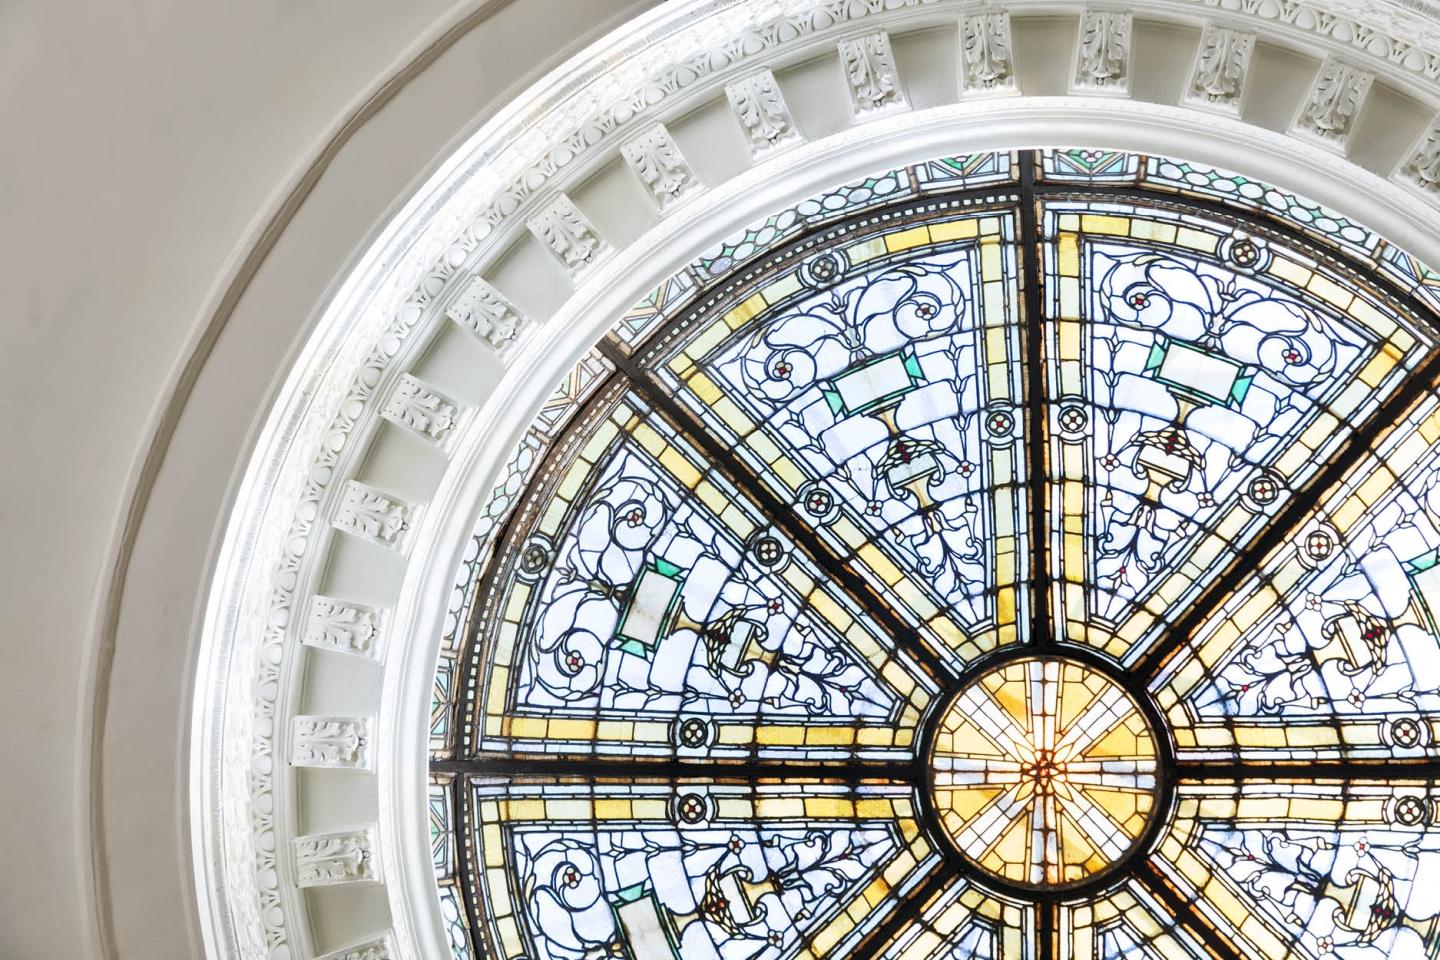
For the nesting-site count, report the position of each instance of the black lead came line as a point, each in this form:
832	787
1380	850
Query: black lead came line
907	911
464	870
1421	769
1047	917
1183	910
1035	400
750	769
1301	504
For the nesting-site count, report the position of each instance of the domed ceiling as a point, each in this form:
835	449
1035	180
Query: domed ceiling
1012	555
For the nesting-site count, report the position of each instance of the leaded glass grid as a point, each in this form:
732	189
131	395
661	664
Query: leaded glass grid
1024	555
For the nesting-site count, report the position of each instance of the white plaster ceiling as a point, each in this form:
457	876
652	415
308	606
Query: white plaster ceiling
146	146
147	149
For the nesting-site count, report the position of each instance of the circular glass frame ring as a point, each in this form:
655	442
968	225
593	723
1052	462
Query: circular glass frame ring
1049	772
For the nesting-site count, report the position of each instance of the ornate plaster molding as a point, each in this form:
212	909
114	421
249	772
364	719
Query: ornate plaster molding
871	75
660	166
341	627
568	234
375	515
342	743
760	107
987	57
422	409
1221	70
1103	53
329	859
484	311
426	266
380	948
1330	113
1421	168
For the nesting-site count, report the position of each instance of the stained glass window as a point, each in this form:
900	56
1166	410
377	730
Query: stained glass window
1027	555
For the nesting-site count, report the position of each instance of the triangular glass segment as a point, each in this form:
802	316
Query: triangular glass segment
1311	870
1198	378
1346	661
652	610
875	386
690	869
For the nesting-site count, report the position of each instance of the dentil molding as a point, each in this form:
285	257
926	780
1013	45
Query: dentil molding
302	494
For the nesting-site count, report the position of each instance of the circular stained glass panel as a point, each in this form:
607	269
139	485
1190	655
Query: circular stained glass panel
1044	772
1042	561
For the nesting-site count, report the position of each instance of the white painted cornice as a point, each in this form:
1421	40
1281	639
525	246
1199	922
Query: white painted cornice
311	497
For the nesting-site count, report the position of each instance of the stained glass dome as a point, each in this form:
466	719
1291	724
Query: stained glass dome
1024	555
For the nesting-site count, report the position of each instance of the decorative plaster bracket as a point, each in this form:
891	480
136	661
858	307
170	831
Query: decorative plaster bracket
567	234
987	56
1420	170
486	314
1221	70
760	108
345	743
660	167
424	410
375	515
329	859
871	76
1103	53
380	948
1330	113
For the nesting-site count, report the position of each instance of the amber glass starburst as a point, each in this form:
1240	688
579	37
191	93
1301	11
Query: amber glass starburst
1044	772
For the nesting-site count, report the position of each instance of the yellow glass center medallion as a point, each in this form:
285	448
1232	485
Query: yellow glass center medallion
1044	772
